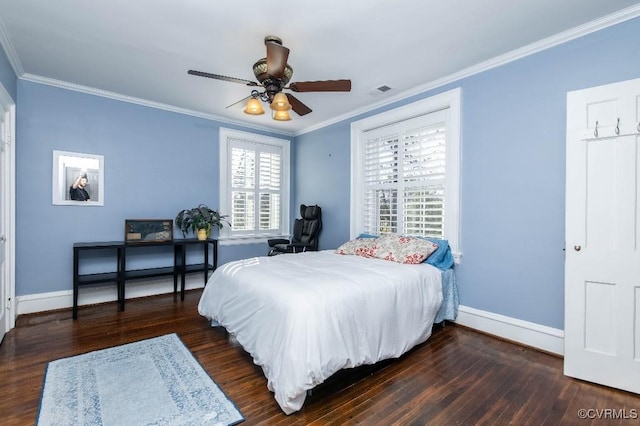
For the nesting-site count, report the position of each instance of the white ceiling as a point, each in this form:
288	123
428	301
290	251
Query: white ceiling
140	50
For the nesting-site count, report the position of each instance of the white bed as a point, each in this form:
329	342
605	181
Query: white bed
303	317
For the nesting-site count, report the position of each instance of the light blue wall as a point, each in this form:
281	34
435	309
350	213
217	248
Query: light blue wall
513	172
156	164
322	177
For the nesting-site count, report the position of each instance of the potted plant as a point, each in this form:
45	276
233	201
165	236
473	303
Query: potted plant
200	220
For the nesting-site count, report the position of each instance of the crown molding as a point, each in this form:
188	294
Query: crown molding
12	56
144	102
544	44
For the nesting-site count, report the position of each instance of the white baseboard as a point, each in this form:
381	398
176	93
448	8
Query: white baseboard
41	302
527	333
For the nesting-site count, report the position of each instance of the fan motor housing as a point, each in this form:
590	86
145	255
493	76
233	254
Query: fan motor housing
260	71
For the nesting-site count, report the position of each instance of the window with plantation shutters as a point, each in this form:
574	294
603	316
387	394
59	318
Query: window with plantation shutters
404	176
254	185
405	171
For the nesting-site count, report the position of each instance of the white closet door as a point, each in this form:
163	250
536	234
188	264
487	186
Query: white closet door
602	267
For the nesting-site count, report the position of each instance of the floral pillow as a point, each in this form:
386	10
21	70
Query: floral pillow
403	249
358	246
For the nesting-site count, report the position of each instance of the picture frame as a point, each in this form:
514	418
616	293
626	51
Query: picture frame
77	179
148	230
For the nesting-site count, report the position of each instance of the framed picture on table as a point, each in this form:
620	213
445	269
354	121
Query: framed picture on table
148	230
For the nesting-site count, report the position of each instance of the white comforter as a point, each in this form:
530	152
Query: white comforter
303	317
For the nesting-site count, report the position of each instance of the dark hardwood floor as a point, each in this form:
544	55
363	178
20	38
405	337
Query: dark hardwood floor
457	377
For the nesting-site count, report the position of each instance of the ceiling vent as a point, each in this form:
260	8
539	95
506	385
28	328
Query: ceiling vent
379	90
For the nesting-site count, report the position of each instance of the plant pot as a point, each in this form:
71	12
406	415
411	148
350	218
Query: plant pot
202	234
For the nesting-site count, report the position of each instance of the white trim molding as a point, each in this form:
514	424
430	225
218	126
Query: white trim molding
40	302
12	56
527	333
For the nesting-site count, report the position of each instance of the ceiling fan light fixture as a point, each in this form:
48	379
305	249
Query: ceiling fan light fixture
273	74
253	107
281	115
280	102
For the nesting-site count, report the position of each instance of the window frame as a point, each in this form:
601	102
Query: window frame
450	100
226	138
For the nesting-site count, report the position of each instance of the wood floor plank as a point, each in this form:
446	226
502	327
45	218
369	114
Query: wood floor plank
458	376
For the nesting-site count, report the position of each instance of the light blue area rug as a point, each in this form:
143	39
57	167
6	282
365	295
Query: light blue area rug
150	382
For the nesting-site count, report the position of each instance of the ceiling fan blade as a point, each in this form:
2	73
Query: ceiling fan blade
240	101
321	86
222	77
277	56
297	106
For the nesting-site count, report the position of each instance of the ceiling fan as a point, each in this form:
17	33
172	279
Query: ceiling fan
273	74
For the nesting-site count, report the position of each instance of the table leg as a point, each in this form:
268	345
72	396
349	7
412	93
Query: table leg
121	276
183	271
76	268
177	267
206	262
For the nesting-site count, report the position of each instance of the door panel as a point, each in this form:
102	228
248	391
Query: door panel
599	317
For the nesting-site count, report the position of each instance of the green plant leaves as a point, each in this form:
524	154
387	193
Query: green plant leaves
201	217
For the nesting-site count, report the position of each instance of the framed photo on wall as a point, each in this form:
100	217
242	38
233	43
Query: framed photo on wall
78	179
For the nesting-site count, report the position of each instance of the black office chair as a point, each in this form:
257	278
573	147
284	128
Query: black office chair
305	233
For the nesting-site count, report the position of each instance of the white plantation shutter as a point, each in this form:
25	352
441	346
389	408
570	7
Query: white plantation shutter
269	190
405	168
254	184
243	177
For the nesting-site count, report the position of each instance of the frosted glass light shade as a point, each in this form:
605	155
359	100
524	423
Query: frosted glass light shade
280	102
253	107
281	115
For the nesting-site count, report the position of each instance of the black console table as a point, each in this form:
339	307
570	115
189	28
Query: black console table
179	268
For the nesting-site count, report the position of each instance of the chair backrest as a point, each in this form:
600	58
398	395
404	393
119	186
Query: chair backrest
307	229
